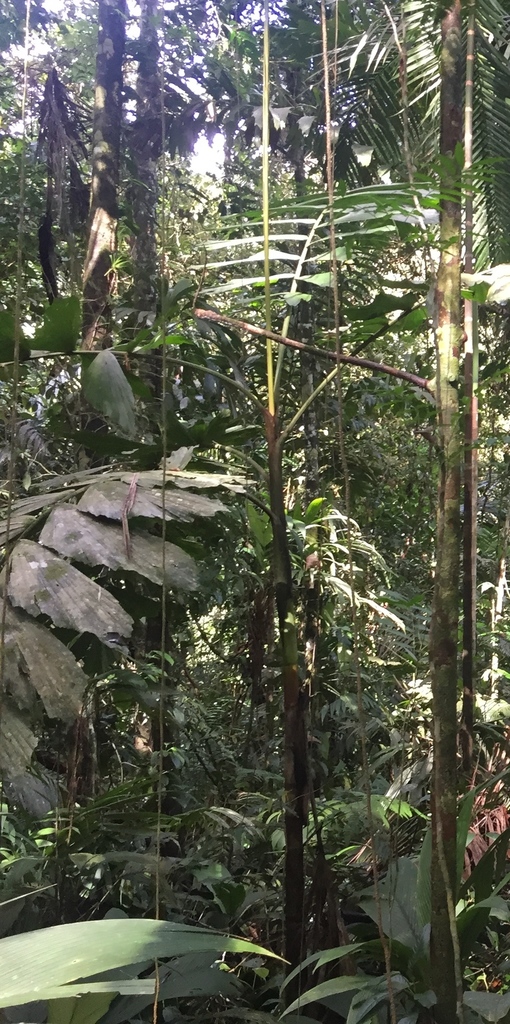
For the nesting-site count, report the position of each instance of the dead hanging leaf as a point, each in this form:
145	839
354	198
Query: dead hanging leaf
37	662
108	498
186	479
21	513
43	584
17	741
78	536
179	458
17	524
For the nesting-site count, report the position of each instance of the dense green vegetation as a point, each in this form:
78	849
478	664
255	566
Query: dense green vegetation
254	511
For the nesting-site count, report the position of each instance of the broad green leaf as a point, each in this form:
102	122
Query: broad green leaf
138	386
192	975
230	896
60	329
86	1007
260	525
66	953
324	280
413	320
423	880
106	388
363	1007
492	1006
179	290
397	894
471	922
382	304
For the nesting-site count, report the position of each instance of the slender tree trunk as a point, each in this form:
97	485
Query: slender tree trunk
146	148
470	432
102	237
294	709
311	596
498	602
445	609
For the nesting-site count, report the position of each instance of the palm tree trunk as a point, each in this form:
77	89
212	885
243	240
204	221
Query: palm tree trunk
103	218
445	608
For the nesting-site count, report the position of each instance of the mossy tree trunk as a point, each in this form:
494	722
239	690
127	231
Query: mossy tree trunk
444	662
103	218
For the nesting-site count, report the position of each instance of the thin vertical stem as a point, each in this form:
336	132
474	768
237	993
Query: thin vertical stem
470	427
17	344
330	178
265	208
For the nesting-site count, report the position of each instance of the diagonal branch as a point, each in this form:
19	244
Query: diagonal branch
321	353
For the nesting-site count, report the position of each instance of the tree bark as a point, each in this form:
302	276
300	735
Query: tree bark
470	535
103	218
294	710
146	149
498	603
445	608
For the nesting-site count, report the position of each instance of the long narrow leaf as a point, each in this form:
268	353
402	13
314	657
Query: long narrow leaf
69	952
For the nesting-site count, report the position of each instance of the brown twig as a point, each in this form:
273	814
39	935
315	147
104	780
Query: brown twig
324	353
126	509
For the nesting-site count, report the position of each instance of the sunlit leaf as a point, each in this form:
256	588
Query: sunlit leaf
60	330
67	953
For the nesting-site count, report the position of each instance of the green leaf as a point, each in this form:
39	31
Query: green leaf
66	953
423	908
481	879
260	525
138	386
331	988
313	512
478	292
324	957
490	1005
106	388
7	330
191	976
60	329
181	288
413	320
324	280
84	1008
382	304
230	896
398	899
145	455
470	924
463	825
294	298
